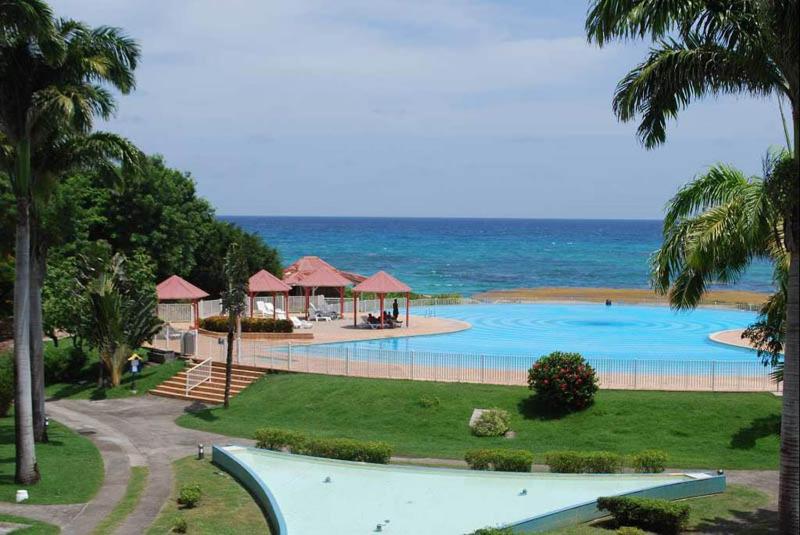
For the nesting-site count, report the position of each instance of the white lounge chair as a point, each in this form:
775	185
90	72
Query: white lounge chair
318	315
366	324
269	311
300	324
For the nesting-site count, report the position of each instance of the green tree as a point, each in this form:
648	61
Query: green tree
708	47
233	303
121	298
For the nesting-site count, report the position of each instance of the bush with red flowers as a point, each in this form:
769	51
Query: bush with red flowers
563	381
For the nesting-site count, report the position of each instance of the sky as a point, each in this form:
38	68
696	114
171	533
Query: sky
450	108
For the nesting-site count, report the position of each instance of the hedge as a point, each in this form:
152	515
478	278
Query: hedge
249	325
500	460
492	423
578	462
659	516
269	438
332	448
649	461
349	450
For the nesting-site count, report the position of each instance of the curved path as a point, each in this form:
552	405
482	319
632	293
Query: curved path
128	432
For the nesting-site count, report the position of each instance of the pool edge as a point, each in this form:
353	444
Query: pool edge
254	484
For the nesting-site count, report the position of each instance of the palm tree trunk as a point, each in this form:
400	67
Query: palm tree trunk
37	335
27	471
228	365
789	494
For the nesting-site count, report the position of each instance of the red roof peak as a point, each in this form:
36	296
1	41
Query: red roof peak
177	289
266	282
382	283
314	272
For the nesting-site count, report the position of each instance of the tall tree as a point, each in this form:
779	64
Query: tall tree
233	304
26	30
59	82
710	47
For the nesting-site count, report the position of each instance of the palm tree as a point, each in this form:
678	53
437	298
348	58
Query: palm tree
233	303
714	227
708	47
24	26
121	314
49	80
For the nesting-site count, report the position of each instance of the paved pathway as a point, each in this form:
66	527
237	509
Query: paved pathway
128	432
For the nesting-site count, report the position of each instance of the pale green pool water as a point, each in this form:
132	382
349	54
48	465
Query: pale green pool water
419	501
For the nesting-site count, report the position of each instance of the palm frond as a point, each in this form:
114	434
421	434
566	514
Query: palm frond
676	72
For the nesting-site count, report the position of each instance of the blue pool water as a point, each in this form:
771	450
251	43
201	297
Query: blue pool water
595	330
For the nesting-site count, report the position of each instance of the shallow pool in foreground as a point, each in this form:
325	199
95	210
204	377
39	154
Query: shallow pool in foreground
307	495
595	330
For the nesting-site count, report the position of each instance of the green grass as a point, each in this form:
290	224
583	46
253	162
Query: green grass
85	387
133	492
698	430
36	527
739	510
70	465
225	508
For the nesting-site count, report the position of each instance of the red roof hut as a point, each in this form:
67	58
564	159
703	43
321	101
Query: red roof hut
266	282
381	283
310	273
177	289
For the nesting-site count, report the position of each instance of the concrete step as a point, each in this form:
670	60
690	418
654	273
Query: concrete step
212	390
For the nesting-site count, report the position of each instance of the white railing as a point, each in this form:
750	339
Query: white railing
198	374
625	374
176	312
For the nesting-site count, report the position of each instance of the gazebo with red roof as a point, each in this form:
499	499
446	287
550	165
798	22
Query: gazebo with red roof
266	282
311	272
381	283
177	289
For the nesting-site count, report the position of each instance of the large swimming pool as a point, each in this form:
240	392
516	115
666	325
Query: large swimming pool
595	330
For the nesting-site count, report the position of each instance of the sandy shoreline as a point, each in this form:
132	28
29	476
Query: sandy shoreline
626	295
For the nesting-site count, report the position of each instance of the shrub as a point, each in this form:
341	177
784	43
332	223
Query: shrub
249	325
63	364
7	385
180	526
628	530
491	423
578	462
189	496
269	438
500	460
348	450
429	402
649	461
659	516
563	381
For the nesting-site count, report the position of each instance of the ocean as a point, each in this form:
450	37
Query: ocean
469	256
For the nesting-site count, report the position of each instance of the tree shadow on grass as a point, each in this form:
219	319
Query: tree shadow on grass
201	411
534	408
746	437
742	523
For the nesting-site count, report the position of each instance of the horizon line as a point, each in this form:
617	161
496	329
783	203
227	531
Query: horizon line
488	218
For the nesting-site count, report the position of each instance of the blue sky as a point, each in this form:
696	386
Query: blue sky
407	108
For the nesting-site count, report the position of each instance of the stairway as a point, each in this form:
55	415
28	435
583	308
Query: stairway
213	390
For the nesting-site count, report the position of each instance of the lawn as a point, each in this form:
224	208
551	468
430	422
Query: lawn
85	386
71	466
698	430
739	510
224	509
36	527
133	492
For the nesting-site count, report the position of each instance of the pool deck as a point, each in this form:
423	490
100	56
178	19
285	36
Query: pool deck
329	332
731	337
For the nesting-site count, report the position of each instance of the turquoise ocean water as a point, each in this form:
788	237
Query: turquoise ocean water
467	256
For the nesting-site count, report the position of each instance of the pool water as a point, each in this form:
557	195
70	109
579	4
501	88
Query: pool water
316	496
595	330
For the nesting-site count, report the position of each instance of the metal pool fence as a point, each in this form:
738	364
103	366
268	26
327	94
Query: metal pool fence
355	361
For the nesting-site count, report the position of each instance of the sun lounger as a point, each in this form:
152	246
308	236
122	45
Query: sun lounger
300	324
320	315
366	324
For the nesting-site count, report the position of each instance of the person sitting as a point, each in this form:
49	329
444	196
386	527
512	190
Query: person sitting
372	319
